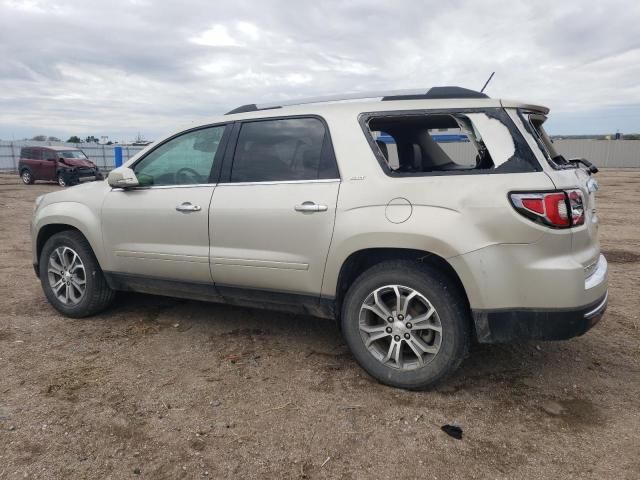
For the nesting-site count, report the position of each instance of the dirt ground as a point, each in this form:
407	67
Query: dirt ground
163	388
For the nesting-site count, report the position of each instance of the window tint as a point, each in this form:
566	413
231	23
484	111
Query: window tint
184	160
281	150
27	153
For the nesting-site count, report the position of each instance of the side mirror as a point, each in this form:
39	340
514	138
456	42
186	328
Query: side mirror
122	177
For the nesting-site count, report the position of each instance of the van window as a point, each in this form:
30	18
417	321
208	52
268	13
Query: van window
283	150
424	143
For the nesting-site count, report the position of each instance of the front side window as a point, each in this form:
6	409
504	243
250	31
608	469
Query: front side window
283	150
184	160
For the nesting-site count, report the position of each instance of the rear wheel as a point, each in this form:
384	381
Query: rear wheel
27	177
71	277
406	324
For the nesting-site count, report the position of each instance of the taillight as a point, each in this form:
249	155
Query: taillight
559	209
576	204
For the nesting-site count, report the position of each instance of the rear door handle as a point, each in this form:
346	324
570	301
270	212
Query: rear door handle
310	207
187	207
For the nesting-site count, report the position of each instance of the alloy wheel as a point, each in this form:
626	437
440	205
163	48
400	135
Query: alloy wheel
400	327
67	275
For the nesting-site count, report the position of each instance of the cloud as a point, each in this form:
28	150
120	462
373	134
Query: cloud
119	67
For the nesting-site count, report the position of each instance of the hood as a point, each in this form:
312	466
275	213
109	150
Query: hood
77	162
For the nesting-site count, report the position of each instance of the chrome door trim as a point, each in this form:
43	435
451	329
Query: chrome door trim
163	187
278	182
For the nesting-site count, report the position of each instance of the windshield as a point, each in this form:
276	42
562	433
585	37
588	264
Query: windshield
72	154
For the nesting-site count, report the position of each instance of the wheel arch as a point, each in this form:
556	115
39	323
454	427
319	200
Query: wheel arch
55	218
361	260
48	231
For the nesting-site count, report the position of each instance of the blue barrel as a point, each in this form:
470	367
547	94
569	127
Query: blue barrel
117	153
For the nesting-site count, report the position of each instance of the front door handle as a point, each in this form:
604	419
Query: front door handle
187	207
310	207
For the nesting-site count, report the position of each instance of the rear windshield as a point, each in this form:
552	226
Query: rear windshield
545	142
72	154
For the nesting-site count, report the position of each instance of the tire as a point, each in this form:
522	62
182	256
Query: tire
444	350
27	177
96	295
61	181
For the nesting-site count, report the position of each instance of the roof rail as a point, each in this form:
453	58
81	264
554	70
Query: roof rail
433	93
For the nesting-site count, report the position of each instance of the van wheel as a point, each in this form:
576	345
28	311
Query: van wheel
27	178
61	181
406	324
71	277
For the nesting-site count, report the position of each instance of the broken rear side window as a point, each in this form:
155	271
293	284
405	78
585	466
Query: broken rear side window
444	143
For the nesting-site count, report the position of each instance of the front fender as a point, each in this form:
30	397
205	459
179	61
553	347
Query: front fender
74	214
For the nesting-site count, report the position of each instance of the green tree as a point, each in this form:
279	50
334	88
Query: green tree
53	139
74	139
40	138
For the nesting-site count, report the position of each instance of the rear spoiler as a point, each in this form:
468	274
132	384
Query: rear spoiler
525	106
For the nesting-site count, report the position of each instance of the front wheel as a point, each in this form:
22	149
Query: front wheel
61	180
71	277
406	324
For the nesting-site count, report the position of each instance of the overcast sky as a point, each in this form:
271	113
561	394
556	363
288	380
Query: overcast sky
118	67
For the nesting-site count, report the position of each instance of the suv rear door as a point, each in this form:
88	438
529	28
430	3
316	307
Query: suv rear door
32	157
272	214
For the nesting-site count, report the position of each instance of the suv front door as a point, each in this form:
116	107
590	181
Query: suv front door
272	214
160	229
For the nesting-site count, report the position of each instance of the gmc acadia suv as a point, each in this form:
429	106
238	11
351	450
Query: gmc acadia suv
419	220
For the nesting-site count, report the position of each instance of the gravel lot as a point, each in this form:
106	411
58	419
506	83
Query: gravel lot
163	388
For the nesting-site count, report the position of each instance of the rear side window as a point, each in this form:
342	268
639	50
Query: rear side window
445	143
27	153
283	150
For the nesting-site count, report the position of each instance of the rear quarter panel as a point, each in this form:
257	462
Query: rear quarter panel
450	215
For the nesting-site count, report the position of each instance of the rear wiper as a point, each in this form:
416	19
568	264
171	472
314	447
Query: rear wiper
591	168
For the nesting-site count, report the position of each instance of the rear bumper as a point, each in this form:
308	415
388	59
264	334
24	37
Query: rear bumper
532	324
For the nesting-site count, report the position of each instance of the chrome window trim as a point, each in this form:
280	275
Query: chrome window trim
163	187
195	185
278	182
